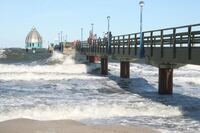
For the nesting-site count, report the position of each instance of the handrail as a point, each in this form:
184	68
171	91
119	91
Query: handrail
179	27
171	28
164	29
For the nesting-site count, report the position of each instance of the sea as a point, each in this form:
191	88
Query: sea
45	86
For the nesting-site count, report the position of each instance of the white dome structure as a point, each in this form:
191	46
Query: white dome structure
33	39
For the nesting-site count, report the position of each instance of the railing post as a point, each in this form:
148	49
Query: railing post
181	40
99	45
123	46
151	43
174	43
113	45
129	46
104	43
161	43
95	46
142	45
135	44
109	48
189	42
119	45
89	48
192	40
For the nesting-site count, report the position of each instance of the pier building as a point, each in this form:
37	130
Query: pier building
33	39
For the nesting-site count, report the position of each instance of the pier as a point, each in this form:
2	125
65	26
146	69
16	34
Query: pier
166	49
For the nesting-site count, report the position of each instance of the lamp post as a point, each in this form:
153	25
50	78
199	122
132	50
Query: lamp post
109	46
61	36
108	18
141	3
81	37
81	34
58	38
92	30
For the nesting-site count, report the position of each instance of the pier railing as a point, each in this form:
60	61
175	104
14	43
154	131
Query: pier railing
155	43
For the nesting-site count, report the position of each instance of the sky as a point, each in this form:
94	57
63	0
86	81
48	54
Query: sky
50	17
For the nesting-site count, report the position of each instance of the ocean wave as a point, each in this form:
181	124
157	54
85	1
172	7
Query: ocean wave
84	111
2	54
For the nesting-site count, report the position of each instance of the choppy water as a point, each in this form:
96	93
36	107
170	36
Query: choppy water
58	88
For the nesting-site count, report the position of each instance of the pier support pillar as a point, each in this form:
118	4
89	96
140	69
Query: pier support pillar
165	81
125	69
93	59
104	65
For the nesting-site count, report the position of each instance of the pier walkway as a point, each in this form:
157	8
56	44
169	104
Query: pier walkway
164	48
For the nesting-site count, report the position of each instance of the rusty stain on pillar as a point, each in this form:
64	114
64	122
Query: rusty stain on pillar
165	81
93	59
125	69
104	65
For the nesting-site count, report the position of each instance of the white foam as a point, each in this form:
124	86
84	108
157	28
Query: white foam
81	112
45	72
86	99
2	55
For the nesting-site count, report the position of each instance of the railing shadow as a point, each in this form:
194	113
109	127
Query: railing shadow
190	106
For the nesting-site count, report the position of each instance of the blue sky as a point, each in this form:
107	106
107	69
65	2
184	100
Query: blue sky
52	16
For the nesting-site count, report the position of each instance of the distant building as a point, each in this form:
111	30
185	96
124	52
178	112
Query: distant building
33	39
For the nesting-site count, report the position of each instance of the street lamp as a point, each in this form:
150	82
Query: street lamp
81	34
92	29
58	38
61	40
108	18
109	46
61	36
81	37
141	3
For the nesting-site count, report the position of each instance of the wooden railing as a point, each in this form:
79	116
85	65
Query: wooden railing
176	37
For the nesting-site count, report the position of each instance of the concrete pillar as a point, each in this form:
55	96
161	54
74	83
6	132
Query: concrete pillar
104	65
125	69
165	81
93	59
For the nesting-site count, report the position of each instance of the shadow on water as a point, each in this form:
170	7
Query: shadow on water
190	106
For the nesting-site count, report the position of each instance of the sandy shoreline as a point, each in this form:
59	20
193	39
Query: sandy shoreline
64	126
